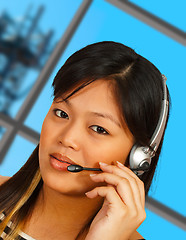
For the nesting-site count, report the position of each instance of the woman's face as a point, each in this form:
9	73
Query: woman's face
87	128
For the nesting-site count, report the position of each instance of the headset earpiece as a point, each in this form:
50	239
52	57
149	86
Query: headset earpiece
140	156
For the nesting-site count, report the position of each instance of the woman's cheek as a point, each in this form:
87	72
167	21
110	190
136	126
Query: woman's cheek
46	137
99	153
111	152
48	128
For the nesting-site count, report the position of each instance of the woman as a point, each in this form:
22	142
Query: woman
106	99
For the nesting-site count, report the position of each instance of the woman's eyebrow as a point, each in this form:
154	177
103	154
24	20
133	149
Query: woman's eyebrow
65	101
108	116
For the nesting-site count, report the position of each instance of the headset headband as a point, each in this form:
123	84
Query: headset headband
158	133
140	156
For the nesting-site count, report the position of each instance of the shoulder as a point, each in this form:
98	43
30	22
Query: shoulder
3	179
135	236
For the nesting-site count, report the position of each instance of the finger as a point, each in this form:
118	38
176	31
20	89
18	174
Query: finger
127	173
136	184
107	192
122	186
139	182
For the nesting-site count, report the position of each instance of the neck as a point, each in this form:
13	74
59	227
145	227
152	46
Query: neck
67	214
70	208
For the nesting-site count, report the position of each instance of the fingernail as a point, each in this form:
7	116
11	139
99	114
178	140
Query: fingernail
103	164
93	174
120	164
88	194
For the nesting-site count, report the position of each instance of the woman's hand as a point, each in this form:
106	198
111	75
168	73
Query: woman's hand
123	209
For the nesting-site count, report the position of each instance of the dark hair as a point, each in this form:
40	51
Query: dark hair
137	86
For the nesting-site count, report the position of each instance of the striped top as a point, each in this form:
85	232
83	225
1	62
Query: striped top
21	236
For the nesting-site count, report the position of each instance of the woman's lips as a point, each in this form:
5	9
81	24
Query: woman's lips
60	162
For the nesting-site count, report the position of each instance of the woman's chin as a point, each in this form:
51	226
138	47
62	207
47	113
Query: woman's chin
68	187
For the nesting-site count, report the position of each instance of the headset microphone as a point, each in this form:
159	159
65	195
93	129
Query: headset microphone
78	168
140	156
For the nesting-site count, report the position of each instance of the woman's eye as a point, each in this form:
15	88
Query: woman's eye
99	130
60	113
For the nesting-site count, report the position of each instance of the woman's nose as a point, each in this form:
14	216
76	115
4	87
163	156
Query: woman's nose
70	137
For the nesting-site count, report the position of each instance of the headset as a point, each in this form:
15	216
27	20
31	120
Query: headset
140	156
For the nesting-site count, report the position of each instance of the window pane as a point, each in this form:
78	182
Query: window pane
171	11
40	109
16	157
28	35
